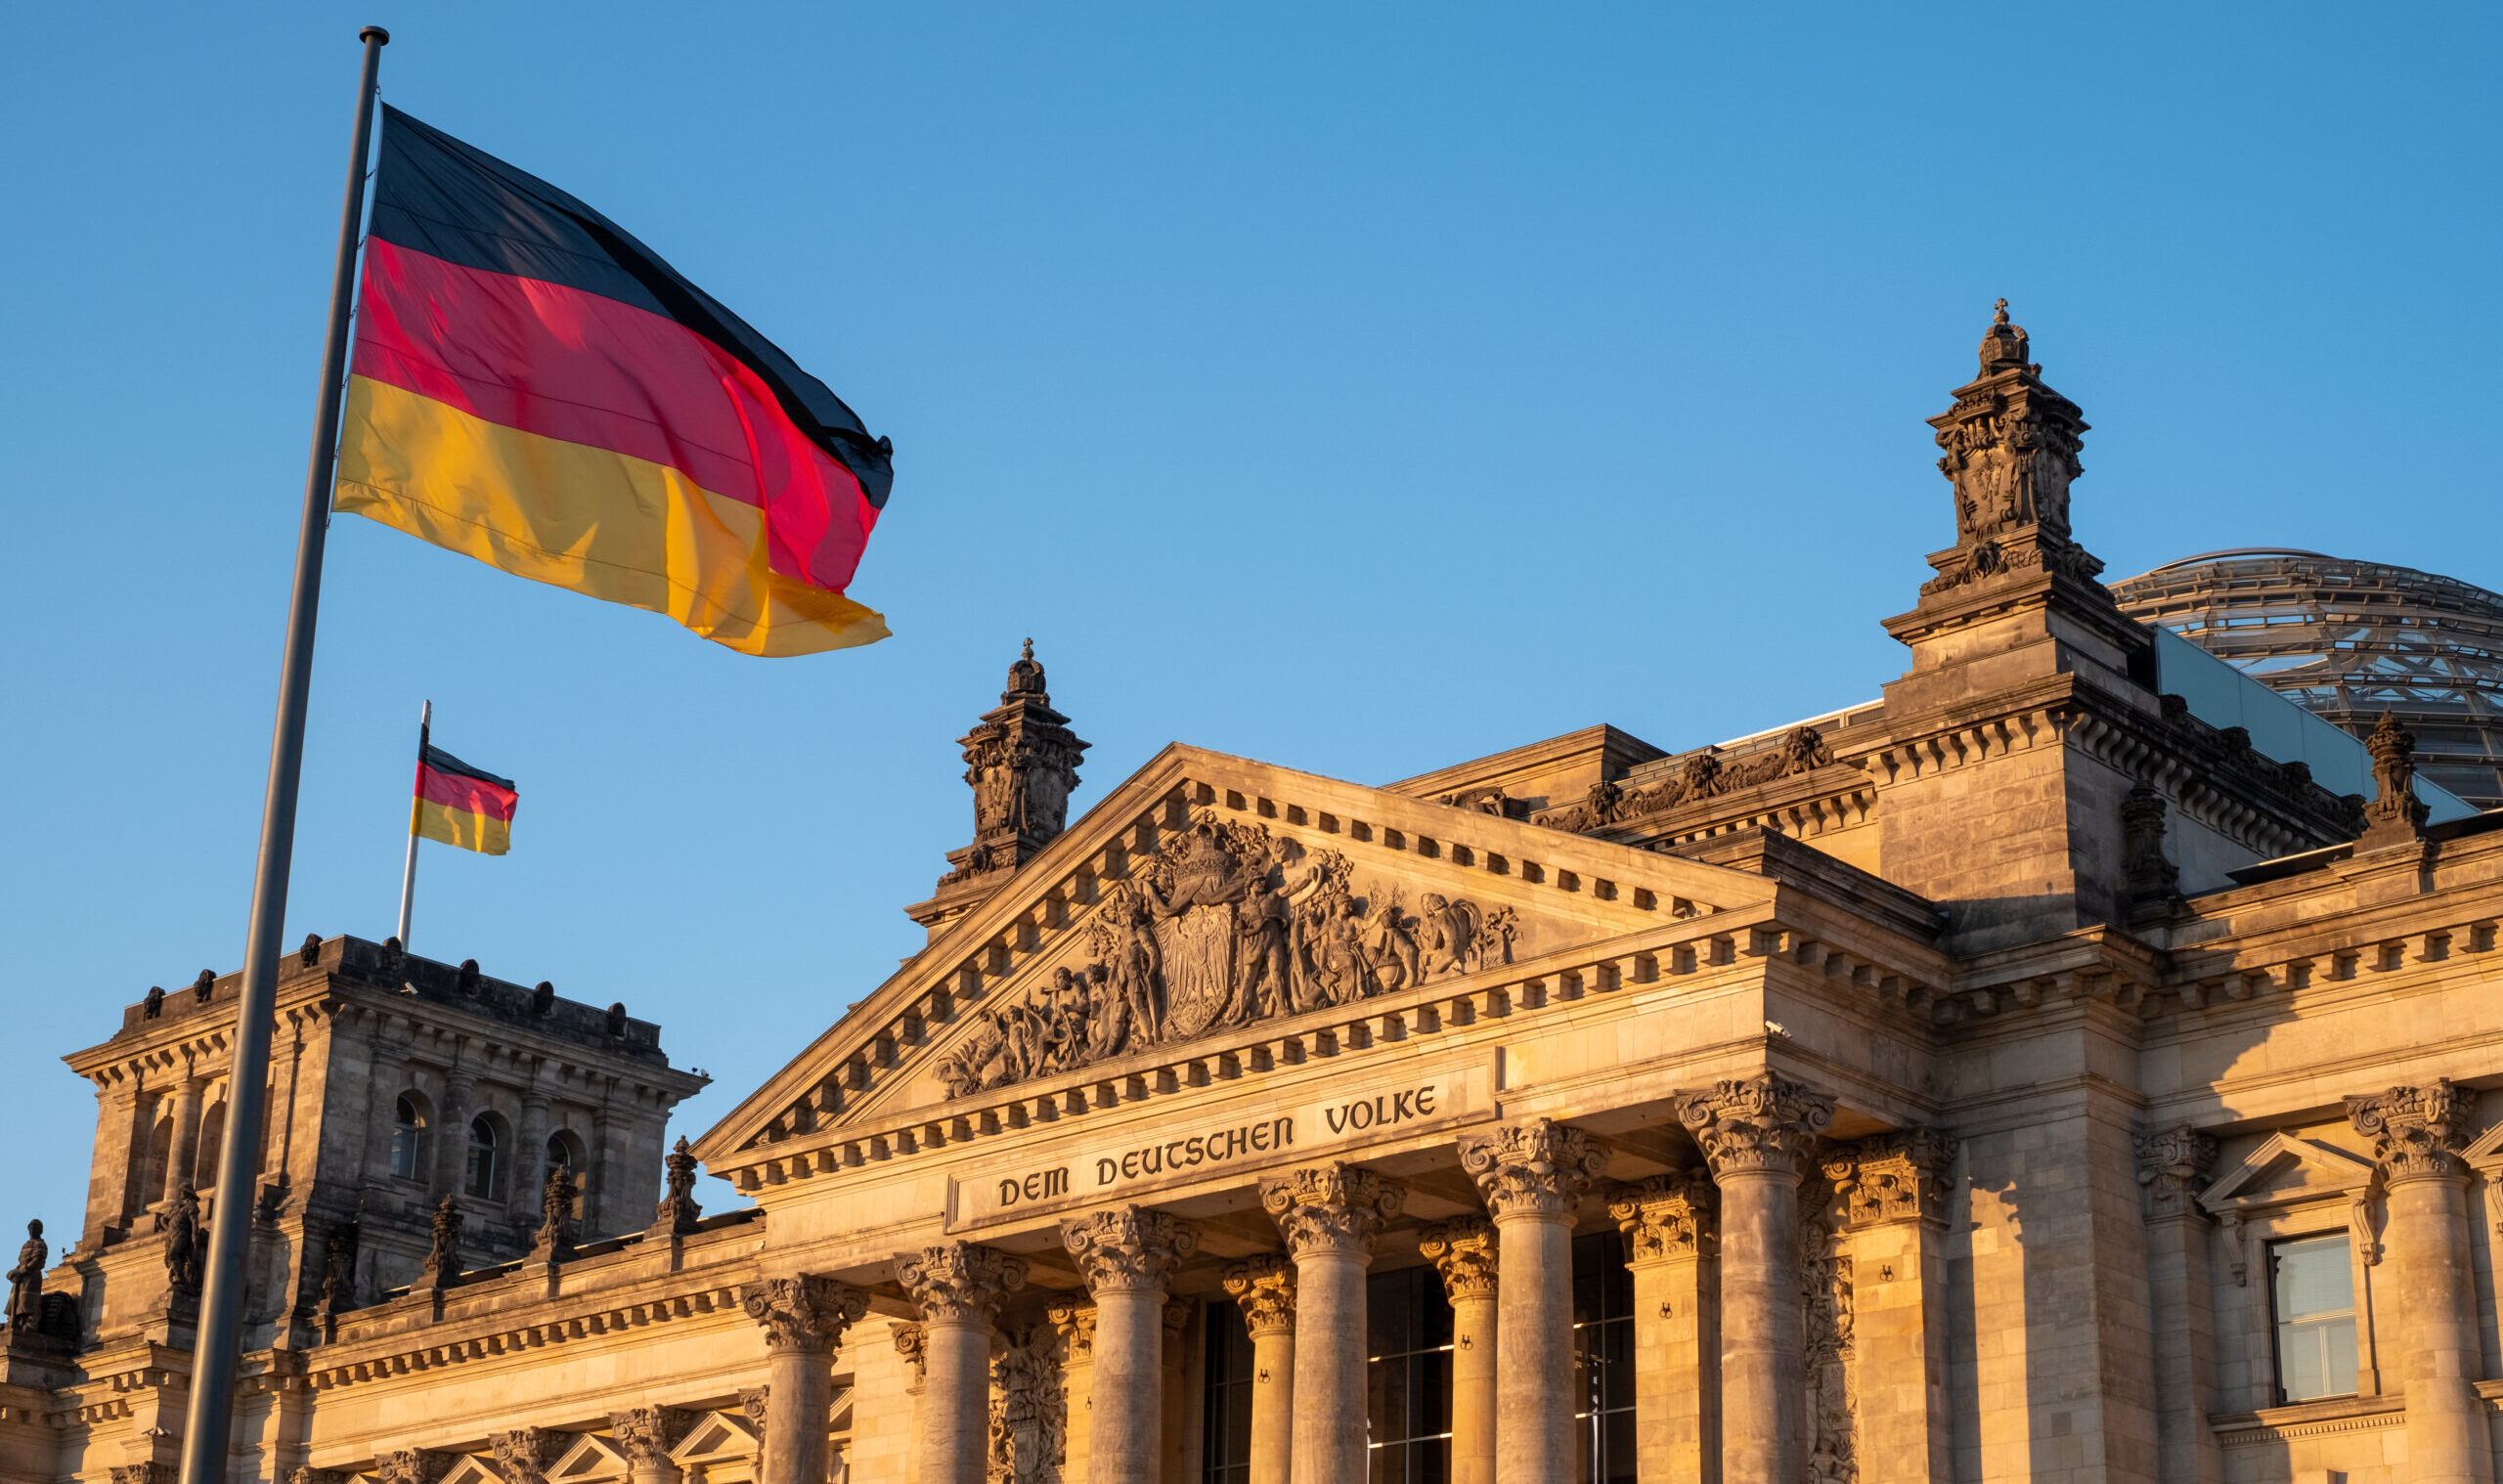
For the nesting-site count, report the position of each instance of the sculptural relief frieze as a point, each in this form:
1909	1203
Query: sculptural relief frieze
1224	926
1703	775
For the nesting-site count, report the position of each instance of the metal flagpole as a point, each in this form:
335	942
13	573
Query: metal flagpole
214	1352
409	872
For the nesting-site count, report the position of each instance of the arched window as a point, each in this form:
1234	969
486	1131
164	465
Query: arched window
409	1138
212	1148
486	1176
565	1152
151	1171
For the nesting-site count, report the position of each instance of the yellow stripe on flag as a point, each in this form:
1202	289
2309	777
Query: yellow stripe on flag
597	522
471	832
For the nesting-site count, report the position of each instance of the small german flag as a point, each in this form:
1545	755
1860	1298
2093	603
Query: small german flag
459	804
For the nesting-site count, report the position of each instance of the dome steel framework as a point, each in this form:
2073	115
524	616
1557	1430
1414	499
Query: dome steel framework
2348	640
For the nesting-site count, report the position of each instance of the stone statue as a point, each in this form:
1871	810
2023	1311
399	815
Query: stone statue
338	1270
443	1254
554	1242
1393	950
25	1280
1447	935
183	1255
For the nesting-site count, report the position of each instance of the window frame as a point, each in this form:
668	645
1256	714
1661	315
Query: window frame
2339	1195
496	1143
2277	1322
417	1136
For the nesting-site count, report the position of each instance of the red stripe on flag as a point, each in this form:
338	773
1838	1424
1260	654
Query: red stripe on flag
474	795
542	358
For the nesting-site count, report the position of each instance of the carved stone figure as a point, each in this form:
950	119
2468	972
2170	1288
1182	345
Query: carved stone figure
2395	815
25	1280
1705	775
442	1267
1028	1408
677	1211
1020	761
1834	1404
555	1240
339	1271
1224	926
184	1255
154	1006
2010	448
2148	877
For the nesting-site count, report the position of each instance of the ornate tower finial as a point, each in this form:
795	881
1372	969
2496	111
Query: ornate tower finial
2010	446
2395	815
1021	762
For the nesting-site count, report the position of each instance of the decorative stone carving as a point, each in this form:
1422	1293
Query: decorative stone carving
2149	880
185	1243
153	1005
413	1465
677	1212
754	1401
310	953
2395	815
912	1348
647	1434
1333	1207
524	1455
1703	775
1537	1168
2010	448
338	1271
1893	1177
152	1471
1489	800
442	1269
805	1314
205	986
1664	1216
1763	1122
1223	925
1827	1306
26	1281
958	1282
555	1241
1263	1288
1020	761
2173	1167
1176	1317
300	1474
2417	1132
1076	1323
1128	1248
1029	1409
1464	1251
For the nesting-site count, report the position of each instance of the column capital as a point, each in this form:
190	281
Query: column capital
1176	1317
1891	1177
957	1282
524	1455
1128	1248
1076	1323
1463	1251
413	1465
805	1314
2417	1132
1333	1207
1762	1122
2172	1165
1532	1168
912	1343
1263	1287
1663	1217
647	1434
754	1403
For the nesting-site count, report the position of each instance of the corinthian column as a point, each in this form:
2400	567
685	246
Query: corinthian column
1756	1133
959	1288
647	1434
1463	1253
1330	1216
1531	1176
803	1318
1667	1225
1263	1288
2417	1134
2173	1167
1126	1255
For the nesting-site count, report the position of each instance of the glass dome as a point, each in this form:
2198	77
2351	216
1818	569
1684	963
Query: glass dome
2347	640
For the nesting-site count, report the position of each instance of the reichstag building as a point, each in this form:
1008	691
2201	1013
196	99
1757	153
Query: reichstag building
2070	1067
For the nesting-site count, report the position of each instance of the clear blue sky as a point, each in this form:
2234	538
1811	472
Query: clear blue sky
1361	388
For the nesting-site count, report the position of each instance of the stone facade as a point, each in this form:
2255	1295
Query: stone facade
2012	1078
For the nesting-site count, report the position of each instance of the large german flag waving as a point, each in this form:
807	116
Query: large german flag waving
535	389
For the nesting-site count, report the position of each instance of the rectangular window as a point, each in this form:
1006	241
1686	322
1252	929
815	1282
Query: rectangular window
2311	1286
1408	1324
1603	1361
1226	1445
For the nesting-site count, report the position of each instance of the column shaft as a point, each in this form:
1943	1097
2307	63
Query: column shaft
1762	1438
2439	1358
1272	1406
1329	1435
184	1146
1532	1176
955	1403
802	1383
2184	1347
1128	1387
1476	1331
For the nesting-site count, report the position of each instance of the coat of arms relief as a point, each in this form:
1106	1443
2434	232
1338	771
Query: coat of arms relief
1226	924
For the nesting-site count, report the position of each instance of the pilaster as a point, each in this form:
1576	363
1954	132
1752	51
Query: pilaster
2174	1166
1667	1223
1892	1195
1468	1254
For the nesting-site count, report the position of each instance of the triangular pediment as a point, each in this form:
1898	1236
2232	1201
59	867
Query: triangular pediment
1210	895
2287	1167
717	1435
592	1460
472	1470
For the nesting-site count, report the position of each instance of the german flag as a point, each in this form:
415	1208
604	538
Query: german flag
532	387
459	804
